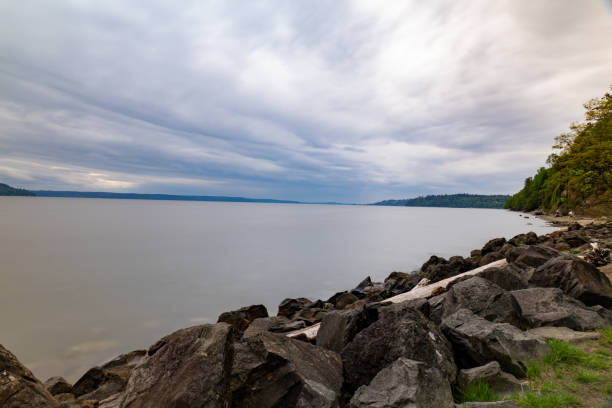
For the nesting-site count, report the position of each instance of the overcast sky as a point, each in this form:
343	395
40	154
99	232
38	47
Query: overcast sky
351	101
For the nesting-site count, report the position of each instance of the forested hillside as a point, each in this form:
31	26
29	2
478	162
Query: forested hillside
451	200
579	176
6	190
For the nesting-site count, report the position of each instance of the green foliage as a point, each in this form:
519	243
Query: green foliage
557	399
588	376
452	201
6	190
534	370
580	172
480	391
607	336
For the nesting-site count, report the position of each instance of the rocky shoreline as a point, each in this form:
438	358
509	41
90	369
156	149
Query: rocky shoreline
417	339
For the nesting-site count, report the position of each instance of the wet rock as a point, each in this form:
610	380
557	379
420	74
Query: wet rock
188	368
271	370
476	341
551	307
58	385
405	383
485	299
576	278
289	307
491	373
400	331
18	386
531	256
242	317
492	246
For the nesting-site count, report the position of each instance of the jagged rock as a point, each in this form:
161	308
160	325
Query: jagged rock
242	317
530	238
565	334
575	277
491	257
271	370
188	368
92	379
275	324
342	300
483	298
436	307
338	328
364	283
400	282
508	277
491	373
310	315
477	341
551	307
531	256
114	401
57	385
575	238
443	269
18	386
290	307
492	246
405	383
400	331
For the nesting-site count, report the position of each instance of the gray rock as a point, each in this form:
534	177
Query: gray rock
58	385
188	368
483	298
531	238
290	307
491	257
577	278
343	300
400	331
405	383
476	341
18	386
492	246
277	324
242	317
565	334
272	370
551	307
500	382
400	282
531	256
338	328
508	277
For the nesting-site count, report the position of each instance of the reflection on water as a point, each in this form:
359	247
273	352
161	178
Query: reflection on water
86	279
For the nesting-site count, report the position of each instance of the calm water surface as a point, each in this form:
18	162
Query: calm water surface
83	280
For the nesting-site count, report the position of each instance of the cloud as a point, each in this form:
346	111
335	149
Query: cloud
349	101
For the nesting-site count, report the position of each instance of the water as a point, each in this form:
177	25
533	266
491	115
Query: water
83	280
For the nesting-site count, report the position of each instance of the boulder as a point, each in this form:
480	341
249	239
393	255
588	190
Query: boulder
342	300
58	385
492	246
454	266
477	341
290	307
18	386
400	331
400	282
565	334
491	373
483	298
188	368
405	383
242	317
338	328
531	238
92	379
272	370
491	257
576	278
551	307
531	256
508	277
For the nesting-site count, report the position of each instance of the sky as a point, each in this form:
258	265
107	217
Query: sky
351	101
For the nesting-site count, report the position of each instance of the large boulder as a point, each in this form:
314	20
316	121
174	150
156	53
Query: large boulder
531	256
508	277
476	341
565	334
483	298
188	368
551	307
493	245
289	307
272	370
530	238
405	383
501	383
242	317
338	328
58	385
446	269
18	386
575	277
400	282
400	331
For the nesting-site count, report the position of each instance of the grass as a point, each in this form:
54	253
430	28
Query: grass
574	251
479	391
569	376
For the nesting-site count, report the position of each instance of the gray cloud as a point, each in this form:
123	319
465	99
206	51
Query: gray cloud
351	101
